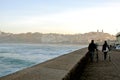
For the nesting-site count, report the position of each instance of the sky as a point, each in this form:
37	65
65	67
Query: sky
60	16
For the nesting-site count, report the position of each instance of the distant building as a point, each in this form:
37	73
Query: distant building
0	32
97	30
102	31
118	37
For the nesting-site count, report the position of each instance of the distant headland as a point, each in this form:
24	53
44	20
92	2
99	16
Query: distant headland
54	38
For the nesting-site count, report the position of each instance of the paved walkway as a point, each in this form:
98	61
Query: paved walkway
103	70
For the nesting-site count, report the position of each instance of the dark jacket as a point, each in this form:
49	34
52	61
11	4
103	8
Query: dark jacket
92	47
104	47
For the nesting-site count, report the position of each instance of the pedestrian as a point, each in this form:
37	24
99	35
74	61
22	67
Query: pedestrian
105	49
91	48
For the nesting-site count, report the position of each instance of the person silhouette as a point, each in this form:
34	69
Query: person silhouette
105	49
91	48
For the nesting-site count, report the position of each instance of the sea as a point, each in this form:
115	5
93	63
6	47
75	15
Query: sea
15	57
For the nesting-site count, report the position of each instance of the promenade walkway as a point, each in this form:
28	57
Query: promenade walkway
103	69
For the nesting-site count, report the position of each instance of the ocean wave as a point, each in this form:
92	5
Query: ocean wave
14	57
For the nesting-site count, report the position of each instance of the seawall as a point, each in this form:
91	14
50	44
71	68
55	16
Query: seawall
63	67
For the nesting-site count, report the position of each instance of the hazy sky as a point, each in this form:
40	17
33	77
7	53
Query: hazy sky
60	16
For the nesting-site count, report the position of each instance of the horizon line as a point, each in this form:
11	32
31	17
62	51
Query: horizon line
55	32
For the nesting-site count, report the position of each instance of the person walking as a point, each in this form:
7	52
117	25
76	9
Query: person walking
105	49
91	48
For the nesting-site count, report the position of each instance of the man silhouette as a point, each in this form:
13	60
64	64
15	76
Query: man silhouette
92	47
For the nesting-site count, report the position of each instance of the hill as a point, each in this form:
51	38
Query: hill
54	38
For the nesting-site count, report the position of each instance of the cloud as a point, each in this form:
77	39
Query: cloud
79	20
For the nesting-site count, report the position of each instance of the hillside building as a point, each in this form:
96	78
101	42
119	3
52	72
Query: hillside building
118	37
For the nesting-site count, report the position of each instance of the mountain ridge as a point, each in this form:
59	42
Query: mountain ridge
55	38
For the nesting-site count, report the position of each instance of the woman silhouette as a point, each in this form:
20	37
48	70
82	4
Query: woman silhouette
105	49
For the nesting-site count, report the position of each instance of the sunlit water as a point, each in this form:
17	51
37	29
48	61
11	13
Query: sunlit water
14	57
